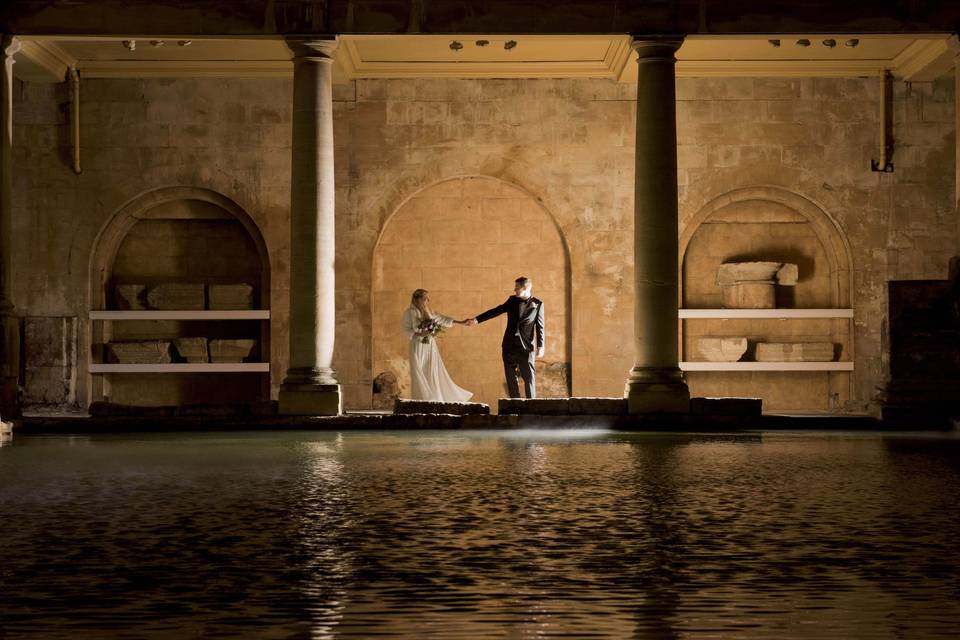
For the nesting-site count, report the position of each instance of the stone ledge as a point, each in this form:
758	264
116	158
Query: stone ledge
406	407
563	406
736	407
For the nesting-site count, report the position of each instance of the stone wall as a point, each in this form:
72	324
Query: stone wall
566	143
466	241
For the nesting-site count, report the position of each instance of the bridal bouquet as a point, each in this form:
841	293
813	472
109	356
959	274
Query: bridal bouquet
431	327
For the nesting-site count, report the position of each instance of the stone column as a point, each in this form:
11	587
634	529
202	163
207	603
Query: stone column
656	384
311	387
9	321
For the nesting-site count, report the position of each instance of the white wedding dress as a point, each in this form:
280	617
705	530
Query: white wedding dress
429	378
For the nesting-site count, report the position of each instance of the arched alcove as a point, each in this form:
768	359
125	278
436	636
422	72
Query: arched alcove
465	240
178	235
769	224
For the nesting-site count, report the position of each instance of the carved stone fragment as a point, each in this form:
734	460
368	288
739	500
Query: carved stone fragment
192	349
141	351
132	297
176	296
230	296
231	351
750	285
722	349
794	351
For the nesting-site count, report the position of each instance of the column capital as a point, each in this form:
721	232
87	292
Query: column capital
313	49
656	47
9	45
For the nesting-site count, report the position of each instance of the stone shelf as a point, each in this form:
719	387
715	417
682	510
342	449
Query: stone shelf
727	314
766	366
208	314
183	367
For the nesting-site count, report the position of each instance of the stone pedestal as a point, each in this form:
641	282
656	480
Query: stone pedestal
310	400
233	351
656	384
192	349
230	296
750	285
9	320
310	386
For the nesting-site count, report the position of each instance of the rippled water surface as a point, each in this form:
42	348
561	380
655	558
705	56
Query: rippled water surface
480	534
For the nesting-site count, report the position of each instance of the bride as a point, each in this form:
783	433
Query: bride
430	380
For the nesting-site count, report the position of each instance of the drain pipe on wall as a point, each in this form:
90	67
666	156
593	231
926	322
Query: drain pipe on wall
75	117
884	165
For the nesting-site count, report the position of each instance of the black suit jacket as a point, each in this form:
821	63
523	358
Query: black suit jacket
528	326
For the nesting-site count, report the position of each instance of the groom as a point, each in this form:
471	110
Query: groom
523	338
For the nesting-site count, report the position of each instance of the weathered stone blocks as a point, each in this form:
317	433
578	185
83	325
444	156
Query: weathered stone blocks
132	297
141	351
563	406
794	351
722	349
50	360
749	285
454	408
230	351
192	349
230	296
177	296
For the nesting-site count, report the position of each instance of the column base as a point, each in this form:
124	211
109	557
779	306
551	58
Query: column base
657	391
310	400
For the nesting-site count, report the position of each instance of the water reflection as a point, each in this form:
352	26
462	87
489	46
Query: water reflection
479	534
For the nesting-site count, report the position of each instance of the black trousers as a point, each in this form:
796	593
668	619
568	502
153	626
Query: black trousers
519	359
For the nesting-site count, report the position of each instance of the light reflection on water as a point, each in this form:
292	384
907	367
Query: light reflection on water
582	533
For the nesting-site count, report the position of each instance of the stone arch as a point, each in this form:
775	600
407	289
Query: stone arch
827	230
770	223
162	204
465	238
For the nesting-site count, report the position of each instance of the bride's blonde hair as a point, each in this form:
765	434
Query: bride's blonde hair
416	301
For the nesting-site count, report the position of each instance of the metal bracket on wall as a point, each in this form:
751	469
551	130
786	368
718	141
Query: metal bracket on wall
884	164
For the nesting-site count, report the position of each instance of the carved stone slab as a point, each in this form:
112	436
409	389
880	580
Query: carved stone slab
176	296
794	351
141	351
230	296
132	297
230	350
722	349
192	349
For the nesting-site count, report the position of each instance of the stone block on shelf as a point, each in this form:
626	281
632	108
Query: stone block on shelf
192	349
750	285
230	296
141	351
132	297
794	352
230	351
177	296
722	349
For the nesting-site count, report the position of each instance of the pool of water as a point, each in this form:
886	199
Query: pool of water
507	534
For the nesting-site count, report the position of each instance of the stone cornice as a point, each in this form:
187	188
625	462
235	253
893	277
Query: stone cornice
9	45
924	60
